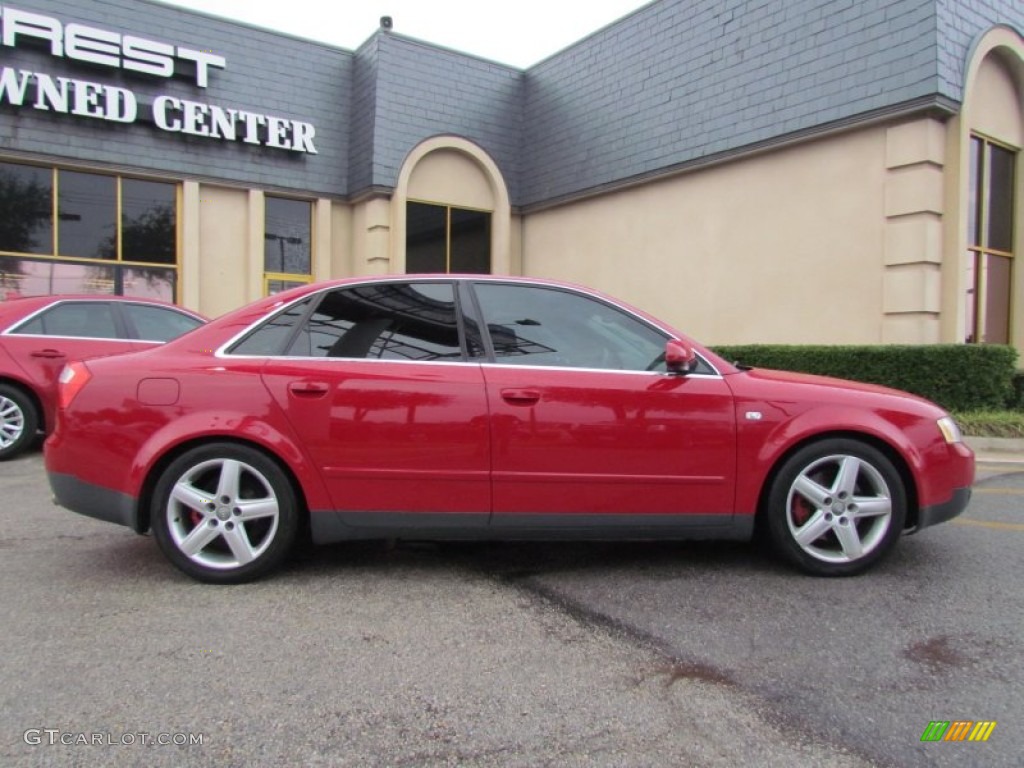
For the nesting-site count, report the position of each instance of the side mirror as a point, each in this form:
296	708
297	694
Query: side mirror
679	357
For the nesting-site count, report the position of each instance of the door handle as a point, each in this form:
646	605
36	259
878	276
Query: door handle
520	396
48	354
308	389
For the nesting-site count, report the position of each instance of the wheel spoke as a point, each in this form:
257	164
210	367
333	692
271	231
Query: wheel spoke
238	540
191	497
849	540
199	537
871	508
846	480
810	490
230	474
812	530
253	510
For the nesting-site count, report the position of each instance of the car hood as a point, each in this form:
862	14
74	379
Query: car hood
770	384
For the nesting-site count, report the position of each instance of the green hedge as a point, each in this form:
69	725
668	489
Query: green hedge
959	377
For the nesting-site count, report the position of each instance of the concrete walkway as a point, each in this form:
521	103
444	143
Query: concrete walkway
1003	451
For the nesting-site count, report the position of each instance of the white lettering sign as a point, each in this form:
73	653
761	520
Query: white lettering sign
103	47
21	88
84	98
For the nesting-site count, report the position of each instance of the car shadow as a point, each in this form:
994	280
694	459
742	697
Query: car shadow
518	560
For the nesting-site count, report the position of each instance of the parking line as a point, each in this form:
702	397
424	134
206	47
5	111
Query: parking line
1001	491
989	524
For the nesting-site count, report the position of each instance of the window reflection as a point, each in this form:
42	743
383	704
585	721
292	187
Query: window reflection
26	210
86	224
390	321
149	283
442	238
38	277
287	239
148	222
31	277
548	326
990	222
86	215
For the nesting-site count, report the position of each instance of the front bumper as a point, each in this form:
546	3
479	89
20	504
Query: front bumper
94	500
940	513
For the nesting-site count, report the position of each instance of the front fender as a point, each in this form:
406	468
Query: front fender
764	443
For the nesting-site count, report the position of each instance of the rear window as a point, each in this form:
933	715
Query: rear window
84	320
159	323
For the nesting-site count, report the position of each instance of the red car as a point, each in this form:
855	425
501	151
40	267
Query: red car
38	335
486	408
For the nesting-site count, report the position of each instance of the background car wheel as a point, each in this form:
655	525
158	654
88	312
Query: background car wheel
18	421
836	507
224	513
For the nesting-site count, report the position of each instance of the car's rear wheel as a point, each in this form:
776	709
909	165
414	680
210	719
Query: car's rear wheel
836	507
18	421
224	513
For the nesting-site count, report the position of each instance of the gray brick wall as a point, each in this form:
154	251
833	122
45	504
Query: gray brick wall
960	24
364	114
423	91
266	73
683	79
674	82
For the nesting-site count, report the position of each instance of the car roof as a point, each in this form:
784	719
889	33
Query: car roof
13	309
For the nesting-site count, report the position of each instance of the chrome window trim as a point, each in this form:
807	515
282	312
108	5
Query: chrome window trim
221	351
11	330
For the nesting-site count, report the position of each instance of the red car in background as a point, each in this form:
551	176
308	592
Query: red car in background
39	334
481	407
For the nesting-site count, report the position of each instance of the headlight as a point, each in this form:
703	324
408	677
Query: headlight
949	429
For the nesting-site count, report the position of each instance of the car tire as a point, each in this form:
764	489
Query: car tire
225	513
836	507
19	421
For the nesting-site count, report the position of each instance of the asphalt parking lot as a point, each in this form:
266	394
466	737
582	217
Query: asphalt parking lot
507	655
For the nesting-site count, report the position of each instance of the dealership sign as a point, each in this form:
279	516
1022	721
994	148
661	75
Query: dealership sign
83	98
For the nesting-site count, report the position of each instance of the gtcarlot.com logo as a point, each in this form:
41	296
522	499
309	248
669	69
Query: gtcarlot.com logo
958	730
53	736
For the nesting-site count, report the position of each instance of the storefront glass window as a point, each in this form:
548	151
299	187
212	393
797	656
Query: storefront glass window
89	232
148	222
990	256
442	238
287	244
86	215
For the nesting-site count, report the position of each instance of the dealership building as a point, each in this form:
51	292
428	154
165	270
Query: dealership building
776	171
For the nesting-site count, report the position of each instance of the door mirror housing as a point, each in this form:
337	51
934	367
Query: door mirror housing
679	357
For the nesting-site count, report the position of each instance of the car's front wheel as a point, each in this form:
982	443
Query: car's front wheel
836	507
224	513
18	421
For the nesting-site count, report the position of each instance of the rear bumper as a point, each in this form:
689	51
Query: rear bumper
94	500
940	513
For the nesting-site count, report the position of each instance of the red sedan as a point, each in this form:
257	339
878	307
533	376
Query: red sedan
486	408
39	334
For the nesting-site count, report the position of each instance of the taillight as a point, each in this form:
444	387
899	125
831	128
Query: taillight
72	379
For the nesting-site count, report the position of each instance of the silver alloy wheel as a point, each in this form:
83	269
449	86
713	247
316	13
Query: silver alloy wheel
223	513
839	509
12	422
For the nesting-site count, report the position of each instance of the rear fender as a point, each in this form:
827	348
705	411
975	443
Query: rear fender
207	426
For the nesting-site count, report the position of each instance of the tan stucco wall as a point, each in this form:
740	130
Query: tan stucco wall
223	249
451	177
222	245
784	247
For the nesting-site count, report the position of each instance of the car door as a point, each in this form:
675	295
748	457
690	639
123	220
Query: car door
588	428
64	331
380	389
